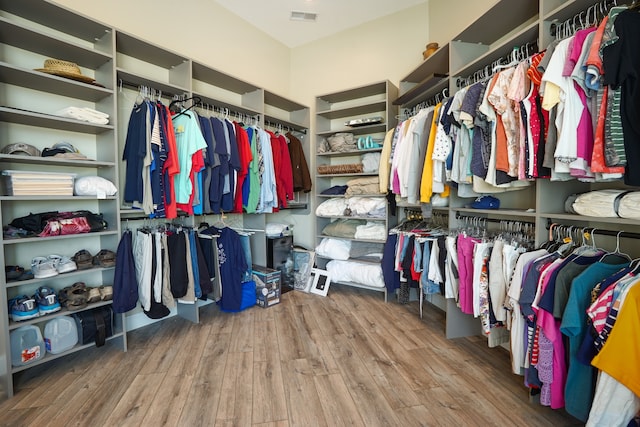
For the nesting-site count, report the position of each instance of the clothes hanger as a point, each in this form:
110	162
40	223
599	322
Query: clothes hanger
616	252
194	101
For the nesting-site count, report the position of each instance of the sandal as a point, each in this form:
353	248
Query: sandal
83	259
105	258
75	296
106	292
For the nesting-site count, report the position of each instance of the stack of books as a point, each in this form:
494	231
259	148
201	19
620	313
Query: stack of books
33	183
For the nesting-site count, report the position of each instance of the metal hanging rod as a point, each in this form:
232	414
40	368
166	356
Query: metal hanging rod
596	230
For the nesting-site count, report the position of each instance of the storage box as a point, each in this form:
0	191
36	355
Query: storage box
267	285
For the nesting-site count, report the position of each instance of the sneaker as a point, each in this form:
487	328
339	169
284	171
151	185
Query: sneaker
47	300
43	267
23	308
63	264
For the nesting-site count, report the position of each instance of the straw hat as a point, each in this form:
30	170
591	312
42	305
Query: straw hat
66	69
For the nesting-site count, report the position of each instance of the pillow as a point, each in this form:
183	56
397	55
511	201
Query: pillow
94	186
356	272
334	249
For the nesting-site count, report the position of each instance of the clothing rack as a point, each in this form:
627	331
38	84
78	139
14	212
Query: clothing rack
595	230
150	91
496	220
597	12
519	53
279	127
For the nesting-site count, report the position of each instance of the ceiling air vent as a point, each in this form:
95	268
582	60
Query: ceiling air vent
303	16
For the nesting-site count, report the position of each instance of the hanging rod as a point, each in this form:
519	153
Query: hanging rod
568	26
496	220
596	230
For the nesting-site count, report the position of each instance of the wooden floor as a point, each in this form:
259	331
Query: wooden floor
347	359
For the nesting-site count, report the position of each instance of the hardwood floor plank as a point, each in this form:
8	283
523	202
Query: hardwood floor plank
385	372
242	334
108	392
408	366
289	341
135	402
195	339
337	404
345	359
166	407
305	408
416	416
269	399
373	407
237	386
165	351
201	405
265	339
65	406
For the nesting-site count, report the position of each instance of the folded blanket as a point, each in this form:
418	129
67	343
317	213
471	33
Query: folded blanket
343	228
332	207
84	114
363	206
371	231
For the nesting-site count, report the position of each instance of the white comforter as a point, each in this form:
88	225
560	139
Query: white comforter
356	272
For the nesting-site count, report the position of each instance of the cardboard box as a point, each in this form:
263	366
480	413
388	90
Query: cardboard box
267	285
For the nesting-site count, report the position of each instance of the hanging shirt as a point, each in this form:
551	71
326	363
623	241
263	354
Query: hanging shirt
135	151
189	140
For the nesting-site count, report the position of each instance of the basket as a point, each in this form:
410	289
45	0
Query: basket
335	169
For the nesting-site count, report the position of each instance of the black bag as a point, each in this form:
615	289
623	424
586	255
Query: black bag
94	325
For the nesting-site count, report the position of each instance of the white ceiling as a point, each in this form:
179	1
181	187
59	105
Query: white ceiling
272	16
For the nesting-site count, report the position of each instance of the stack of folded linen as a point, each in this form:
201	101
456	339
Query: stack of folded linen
84	114
31	183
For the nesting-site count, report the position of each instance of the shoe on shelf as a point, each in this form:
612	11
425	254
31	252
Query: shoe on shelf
105	258
94	295
77	296
23	308
106	293
83	259
47	300
63	264
13	272
43	267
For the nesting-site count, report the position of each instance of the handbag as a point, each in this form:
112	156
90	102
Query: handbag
94	325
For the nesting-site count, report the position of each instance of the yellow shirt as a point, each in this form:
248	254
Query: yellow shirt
385	165
620	356
426	183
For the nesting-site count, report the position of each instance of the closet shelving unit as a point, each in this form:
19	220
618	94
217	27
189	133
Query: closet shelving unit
30	32
289	116
171	74
551	209
506	25
332	112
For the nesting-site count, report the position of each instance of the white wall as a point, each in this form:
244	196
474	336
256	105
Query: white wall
386	48
383	49
201	30
447	18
